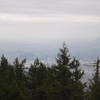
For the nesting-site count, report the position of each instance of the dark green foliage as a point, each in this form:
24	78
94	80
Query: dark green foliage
37	78
77	85
94	87
61	81
63	74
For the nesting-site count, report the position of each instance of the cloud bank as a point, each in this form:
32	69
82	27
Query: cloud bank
57	18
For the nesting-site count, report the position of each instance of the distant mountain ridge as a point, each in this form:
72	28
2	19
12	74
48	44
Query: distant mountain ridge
48	50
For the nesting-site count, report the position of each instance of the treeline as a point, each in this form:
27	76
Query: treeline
60	81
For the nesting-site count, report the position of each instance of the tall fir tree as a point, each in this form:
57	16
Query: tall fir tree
77	84
20	79
37	76
63	74
94	87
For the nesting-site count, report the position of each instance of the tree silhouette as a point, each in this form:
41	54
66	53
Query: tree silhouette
39	81
94	87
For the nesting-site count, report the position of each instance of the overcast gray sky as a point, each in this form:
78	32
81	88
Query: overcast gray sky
35	20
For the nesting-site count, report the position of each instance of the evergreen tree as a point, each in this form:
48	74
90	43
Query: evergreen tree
68	77
63	75
37	76
77	84
61	81
94	88
20	79
7	87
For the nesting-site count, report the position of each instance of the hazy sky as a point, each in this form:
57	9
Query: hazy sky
34	20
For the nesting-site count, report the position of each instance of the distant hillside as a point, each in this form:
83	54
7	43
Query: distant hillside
48	50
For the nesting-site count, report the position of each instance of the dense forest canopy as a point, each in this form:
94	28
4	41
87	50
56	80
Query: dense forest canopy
40	81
